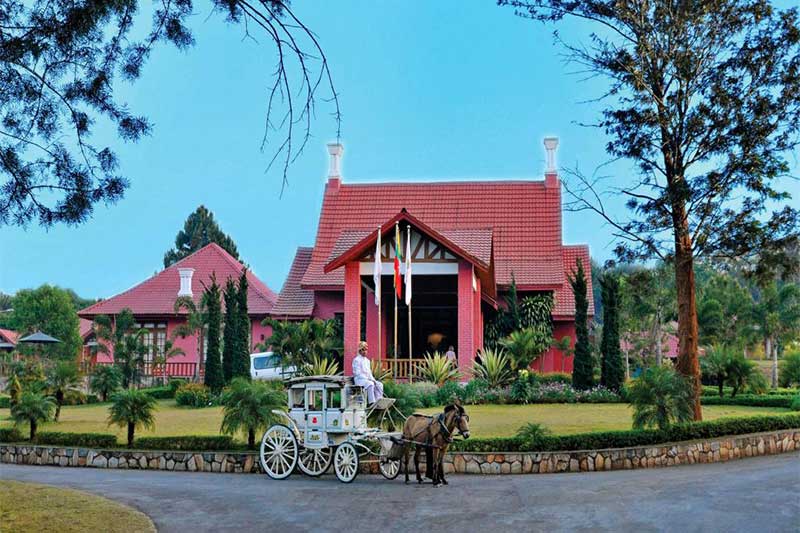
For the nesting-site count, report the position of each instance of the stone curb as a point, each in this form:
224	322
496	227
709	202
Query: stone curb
704	451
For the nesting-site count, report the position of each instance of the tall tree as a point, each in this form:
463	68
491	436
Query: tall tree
777	314
647	304
231	329
583	365
612	372
705	98
241	359
60	62
49	309
119	336
196	321
199	230
214	378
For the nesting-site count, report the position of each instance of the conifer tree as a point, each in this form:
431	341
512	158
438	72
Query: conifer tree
230	330
241	359
583	366
612	373
214	378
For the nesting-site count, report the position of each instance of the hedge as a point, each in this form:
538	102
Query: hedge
5	402
11	434
636	437
159	393
753	400
88	440
198	443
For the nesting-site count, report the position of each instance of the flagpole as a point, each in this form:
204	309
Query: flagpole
408	292
378	286
397	259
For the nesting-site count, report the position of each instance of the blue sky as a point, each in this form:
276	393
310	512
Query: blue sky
428	91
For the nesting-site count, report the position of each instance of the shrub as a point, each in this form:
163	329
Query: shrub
757	384
715	365
5	402
555	377
11	434
427	392
87	440
790	370
406	398
187	442
175	384
599	394
75	397
637	437
795	405
193	395
321	366
438	369
752	400
740	372
33	408
531	434
449	392
660	397
105	380
494	367
378	371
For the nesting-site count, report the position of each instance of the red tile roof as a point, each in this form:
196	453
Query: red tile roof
156	295
564	299
524	217
10	335
85	327
294	301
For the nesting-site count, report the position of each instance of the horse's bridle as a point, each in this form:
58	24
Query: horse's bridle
448	435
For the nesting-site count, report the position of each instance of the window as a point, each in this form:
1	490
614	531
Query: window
334	399
297	398
314	400
262	363
154	339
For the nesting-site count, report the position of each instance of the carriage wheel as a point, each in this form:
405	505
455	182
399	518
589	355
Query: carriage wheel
315	461
278	451
390	468
345	462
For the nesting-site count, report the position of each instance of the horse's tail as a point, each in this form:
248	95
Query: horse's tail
429	462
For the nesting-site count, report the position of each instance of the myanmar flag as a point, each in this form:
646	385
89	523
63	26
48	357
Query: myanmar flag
398	258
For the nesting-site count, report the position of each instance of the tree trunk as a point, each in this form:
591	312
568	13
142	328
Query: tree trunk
774	362
251	438
131	429
659	352
33	428
688	363
59	402
721	382
627	366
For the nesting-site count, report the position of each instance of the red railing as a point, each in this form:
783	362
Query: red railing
166	370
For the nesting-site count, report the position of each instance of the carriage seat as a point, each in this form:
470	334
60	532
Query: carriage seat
383	404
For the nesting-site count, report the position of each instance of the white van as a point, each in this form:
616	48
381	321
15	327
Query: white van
267	366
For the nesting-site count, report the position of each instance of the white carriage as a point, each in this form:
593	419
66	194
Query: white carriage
326	423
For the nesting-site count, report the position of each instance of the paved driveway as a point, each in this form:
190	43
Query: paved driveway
761	494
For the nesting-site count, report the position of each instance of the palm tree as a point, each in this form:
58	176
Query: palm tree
493	366
33	408
525	345
61	378
564	345
105	380
163	356
195	325
134	409
660	397
127	344
715	365
248	406
777	314
740	372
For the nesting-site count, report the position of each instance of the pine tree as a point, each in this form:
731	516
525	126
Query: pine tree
612	373
230	330
583	366
241	358
214	378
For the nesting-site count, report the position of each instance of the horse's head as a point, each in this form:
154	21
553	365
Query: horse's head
459	417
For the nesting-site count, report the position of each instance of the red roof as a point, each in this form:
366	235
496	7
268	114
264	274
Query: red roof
294	301
564	299
10	335
524	218
156	296
85	327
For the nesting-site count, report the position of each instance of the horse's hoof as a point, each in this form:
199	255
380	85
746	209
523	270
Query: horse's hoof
445	483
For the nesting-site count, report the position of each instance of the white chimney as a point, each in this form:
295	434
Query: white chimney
335	170
186	281
550	146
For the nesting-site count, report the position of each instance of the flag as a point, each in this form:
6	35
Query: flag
398	256
408	266
377	268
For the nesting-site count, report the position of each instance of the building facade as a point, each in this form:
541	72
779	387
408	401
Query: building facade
469	241
153	305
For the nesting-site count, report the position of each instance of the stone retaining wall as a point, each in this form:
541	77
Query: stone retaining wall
711	451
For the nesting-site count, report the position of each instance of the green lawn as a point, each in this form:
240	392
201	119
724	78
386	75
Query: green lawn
45	509
486	420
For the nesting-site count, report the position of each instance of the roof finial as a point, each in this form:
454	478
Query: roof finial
550	146
335	169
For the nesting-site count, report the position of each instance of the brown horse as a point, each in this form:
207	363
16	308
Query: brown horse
434	434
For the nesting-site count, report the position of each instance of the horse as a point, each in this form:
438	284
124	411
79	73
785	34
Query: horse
434	433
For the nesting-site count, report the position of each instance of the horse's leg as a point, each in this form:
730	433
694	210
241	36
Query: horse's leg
441	469
406	449
416	464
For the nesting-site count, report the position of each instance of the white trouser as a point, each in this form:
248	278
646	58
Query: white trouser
374	389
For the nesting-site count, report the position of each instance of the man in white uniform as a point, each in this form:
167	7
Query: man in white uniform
362	375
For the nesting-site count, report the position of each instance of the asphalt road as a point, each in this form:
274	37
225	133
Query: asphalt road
760	494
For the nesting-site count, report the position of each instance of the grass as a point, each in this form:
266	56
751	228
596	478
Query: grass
42	508
565	419
485	420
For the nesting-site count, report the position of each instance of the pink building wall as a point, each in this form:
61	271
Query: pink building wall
328	303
